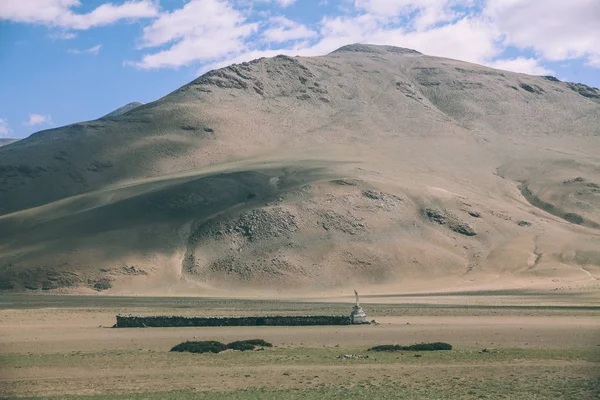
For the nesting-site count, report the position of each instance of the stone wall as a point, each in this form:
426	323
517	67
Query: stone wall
133	321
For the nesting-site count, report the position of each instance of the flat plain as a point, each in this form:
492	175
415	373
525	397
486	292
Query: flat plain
546	345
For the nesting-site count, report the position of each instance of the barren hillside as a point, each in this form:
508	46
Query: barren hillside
372	166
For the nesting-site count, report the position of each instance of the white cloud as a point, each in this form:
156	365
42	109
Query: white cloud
594	61
202	30
555	29
467	39
470	39
217	32
59	12
38	119
422	13
285	3
63	35
284	30
92	50
5	130
523	65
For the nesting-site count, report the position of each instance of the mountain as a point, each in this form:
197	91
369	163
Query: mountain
5	141
122	110
374	166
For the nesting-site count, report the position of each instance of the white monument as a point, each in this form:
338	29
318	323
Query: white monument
358	316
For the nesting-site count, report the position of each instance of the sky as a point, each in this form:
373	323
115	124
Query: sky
64	61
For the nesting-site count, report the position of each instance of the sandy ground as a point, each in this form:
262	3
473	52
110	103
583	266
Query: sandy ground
72	350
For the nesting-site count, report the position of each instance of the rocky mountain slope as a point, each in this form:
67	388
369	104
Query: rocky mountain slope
374	166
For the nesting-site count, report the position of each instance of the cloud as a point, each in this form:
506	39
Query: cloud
59	13
470	38
202	30
555	29
285	3
63	35
92	50
38	119
421	13
523	65
284	30
594	61
5	130
213	33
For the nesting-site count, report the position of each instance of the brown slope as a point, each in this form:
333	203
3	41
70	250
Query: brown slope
410	189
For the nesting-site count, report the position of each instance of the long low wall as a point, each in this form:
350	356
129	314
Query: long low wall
133	321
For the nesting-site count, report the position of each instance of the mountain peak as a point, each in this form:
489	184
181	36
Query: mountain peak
122	110
372	48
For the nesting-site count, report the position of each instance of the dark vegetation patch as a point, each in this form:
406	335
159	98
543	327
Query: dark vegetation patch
551	78
458	85
474	214
257	342
435	346
345	182
211	346
102	284
248	345
208	346
188	128
479	72
303	97
585	90
574	218
524	223
532	88
241	346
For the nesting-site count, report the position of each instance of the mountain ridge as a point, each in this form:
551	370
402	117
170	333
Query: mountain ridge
371	164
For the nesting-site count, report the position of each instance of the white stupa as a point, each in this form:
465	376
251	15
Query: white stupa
358	316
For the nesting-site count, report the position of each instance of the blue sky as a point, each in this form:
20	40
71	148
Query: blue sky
64	61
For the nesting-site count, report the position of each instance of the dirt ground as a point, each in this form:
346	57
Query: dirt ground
550	351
